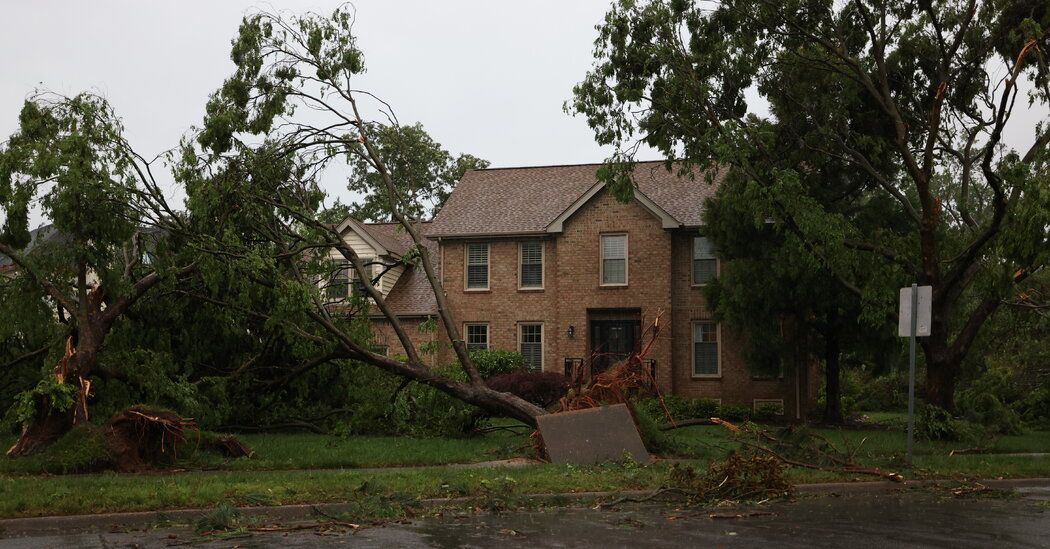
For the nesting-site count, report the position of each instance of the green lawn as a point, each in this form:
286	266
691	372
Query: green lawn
887	448
111	492
301	468
278	451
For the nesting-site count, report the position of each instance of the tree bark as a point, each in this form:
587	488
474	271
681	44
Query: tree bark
46	427
48	424
832	374
940	383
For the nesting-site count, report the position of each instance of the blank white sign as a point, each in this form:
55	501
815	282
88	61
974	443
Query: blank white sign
922	326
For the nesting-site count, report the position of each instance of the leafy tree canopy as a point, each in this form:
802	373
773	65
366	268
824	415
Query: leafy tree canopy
882	149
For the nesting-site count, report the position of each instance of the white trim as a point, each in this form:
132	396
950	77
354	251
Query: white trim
360	231
692	349
666	220
756	403
466	334
466	267
626	260
543	340
543	266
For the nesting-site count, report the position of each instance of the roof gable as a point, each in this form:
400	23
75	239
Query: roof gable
666	220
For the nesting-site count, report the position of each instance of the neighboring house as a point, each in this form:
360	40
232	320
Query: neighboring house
43	236
407	292
544	261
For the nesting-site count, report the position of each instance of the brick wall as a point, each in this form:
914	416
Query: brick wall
383	334
736	385
659	285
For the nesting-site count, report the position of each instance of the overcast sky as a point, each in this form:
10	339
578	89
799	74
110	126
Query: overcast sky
484	77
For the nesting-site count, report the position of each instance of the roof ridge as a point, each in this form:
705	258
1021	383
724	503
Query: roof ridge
560	165
377	223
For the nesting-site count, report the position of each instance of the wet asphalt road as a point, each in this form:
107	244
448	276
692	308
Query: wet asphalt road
908	519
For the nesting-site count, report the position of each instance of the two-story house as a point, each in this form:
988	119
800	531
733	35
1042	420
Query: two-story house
543	260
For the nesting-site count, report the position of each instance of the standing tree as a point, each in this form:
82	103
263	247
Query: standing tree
69	155
914	96
785	303
261	154
426	173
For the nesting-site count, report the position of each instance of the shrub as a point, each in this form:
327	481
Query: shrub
983	402
886	393
1034	408
540	388
734	412
935	423
768	412
680	408
490	363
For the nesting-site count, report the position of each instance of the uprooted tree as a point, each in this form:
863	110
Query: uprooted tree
107	213
253	175
914	98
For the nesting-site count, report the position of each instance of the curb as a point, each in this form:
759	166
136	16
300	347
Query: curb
67	524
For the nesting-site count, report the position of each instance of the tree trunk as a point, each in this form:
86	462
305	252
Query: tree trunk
940	384
48	425
832	386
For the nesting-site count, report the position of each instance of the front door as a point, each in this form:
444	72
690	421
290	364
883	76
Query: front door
612	341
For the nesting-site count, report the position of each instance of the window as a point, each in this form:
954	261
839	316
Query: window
477	337
614	259
338	281
705	264
359	282
531	255
705	350
530	345
477	266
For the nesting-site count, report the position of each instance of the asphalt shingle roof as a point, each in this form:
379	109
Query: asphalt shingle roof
527	200
411	295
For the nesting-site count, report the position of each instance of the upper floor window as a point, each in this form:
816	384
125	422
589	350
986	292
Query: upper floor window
705	350
531	256
614	260
705	264
530	345
477	337
477	266
339	281
359	281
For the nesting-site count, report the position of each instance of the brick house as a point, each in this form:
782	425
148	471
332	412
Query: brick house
543	260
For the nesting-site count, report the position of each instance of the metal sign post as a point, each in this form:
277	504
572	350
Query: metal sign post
914	321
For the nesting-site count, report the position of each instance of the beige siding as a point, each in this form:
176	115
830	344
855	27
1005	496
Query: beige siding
390	278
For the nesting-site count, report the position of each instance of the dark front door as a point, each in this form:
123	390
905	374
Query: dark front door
612	341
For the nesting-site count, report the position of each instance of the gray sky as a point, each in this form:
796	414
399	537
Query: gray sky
485	77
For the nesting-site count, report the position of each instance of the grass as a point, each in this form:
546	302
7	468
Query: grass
307	468
110	492
887	449
279	451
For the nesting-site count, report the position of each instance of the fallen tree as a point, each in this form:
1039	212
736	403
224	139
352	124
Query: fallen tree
256	152
70	156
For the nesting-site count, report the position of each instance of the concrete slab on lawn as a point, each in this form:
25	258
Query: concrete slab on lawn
594	435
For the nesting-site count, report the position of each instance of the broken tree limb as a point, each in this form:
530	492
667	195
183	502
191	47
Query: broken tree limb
688	423
873	471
